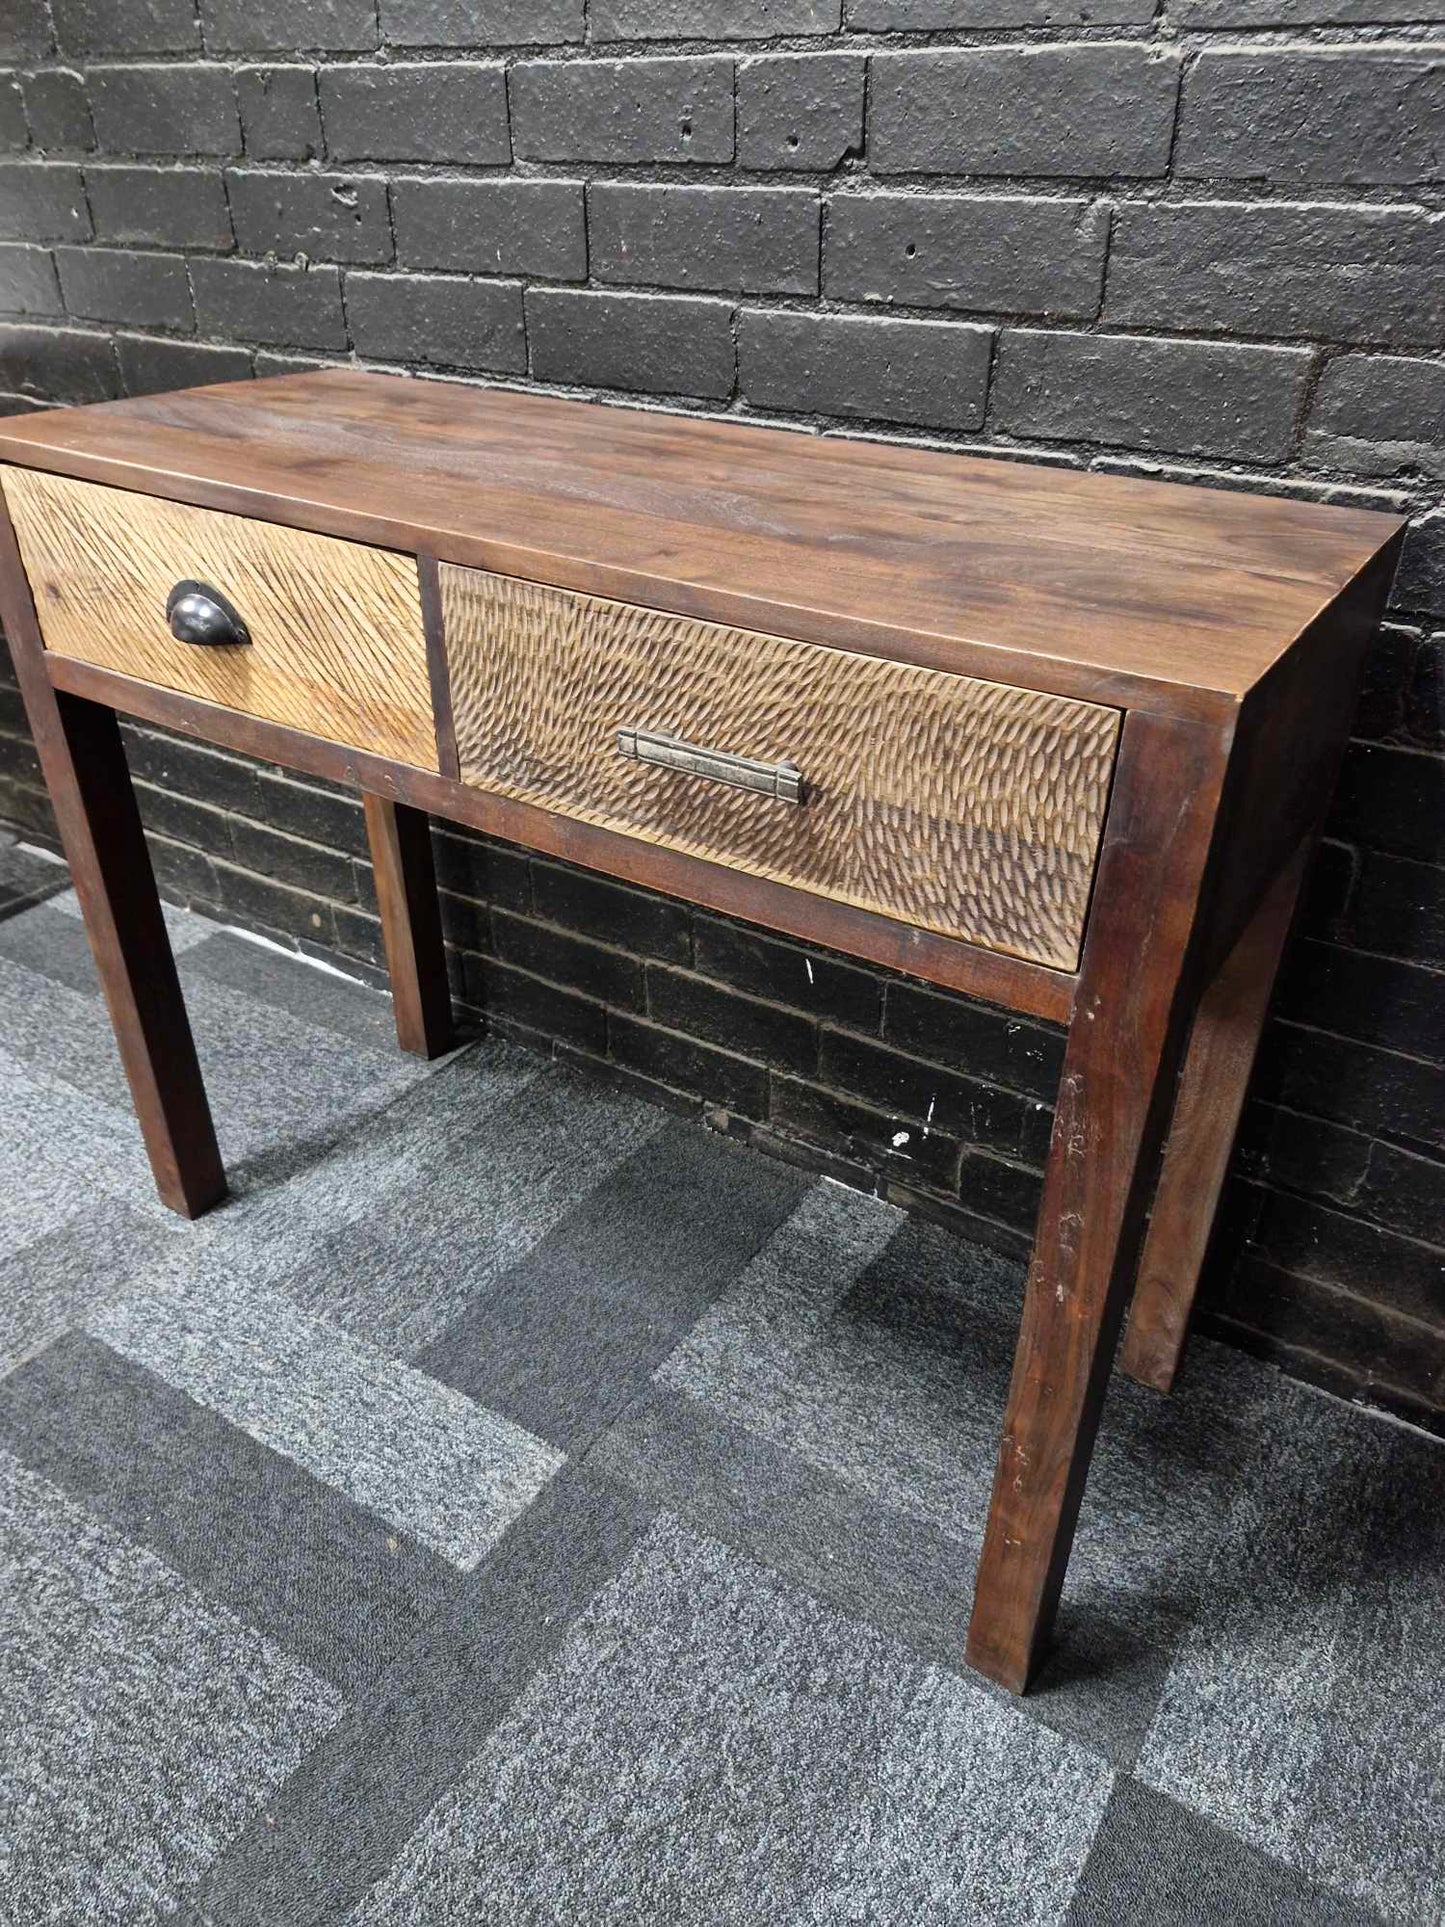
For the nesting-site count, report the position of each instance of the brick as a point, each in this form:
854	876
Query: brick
1187	397
481	23
1368	274
290	860
1392	800
1425	699
28	282
165	110
1011	253
1406	1192
800	110
446	111
440	319
925	373
318	813
276	305
623	110
113	284
193	769
1301	13
812	982
1373	1090
684	1064
42	201
57	364
921	16
512	997
470	866
1302	1153
597	971
646	925
1389	662
1420	583
280	113
58	111
327	217
861	1135
492	227
924	1093
126	26
185	875
1379	415
1400	905
274	908
155	367
24	29
1370	999
273	364
1349	115
1315	1242
991	1044
759	1030
14	128
653	344
744	240
712	19
185	821
255	26
1094	109
176	207
999	1188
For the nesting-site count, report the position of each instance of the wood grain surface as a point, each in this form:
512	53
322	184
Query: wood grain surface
1103	587
958	806
337	643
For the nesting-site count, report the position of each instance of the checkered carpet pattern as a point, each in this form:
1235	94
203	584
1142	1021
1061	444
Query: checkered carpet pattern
519	1505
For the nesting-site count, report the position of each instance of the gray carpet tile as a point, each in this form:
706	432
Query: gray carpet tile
323	1577
570	1335
1306	1712
712	1746
1155	1864
345	1815
419	1249
143	1723
185	927
27	875
517	1504
422	1456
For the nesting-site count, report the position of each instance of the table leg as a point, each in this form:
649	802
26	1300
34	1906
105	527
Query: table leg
85	770
1207	1110
411	926
1124	1046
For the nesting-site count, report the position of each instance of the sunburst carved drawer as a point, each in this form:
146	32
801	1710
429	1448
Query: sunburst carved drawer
334	638
957	806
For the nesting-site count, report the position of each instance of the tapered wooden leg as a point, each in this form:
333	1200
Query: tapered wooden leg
411	925
1207	1109
1124	1045
83	760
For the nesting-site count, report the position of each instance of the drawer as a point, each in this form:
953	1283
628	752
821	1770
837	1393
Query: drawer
337	645
953	805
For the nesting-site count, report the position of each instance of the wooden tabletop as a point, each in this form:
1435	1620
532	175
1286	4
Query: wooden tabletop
1117	590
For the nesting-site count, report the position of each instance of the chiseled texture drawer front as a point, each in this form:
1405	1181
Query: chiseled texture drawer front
957	806
337	645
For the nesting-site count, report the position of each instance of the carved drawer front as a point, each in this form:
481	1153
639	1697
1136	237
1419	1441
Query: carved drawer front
956	806
334	639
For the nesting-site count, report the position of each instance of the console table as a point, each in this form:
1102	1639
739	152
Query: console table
1057	740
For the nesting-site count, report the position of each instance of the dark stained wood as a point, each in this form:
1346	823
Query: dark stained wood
84	763
1130	1018
406	892
1207	1110
1119	591
436	662
987	974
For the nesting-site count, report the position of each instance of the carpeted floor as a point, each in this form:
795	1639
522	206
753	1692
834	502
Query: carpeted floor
520	1506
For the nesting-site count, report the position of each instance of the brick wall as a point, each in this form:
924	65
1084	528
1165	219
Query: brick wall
1202	239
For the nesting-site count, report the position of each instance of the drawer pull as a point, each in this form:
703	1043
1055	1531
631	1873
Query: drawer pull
780	780
198	613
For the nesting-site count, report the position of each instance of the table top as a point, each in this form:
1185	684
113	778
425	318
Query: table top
1098	586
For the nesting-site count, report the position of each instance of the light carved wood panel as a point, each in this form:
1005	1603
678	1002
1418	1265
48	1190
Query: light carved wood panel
337	645
954	805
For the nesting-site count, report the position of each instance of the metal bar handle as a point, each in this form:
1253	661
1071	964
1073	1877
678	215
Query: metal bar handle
780	780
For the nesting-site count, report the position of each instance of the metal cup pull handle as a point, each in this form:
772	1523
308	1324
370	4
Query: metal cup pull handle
200	614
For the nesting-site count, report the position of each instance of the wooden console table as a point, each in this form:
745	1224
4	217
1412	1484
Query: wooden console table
1057	740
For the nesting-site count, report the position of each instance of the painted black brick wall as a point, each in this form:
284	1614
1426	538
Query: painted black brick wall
1197	238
